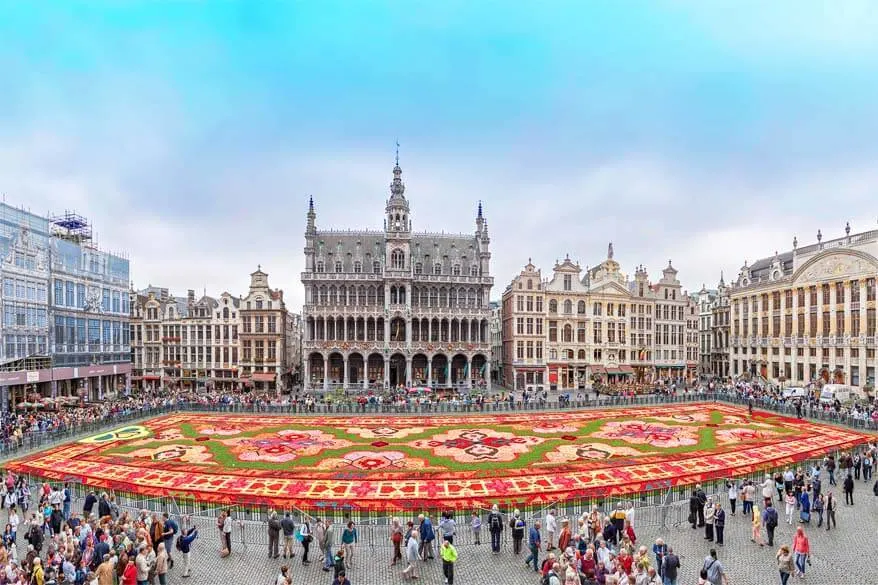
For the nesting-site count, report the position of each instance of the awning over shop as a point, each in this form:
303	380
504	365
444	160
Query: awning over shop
626	369
613	371
152	378
264	376
598	370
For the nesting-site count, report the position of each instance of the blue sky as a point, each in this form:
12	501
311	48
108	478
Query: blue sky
192	133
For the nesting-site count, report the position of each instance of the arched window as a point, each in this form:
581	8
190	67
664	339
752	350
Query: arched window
437	268
553	306
580	307
358	267
569	354
581	354
474	270
568	334
376	267
568	307
397	260
225	312
419	268
455	270
530	284
338	265
320	266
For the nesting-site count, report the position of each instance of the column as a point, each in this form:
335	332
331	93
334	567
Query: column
469	372
429	371
429	330
408	372
306	384
488	376
344	377
344	328
386	369
325	373
100	387
408	332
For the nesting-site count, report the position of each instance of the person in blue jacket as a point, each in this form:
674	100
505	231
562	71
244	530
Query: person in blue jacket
185	543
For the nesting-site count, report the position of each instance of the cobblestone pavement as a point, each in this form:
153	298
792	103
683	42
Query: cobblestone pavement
845	555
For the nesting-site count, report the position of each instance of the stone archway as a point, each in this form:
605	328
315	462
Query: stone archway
397	370
315	370
375	370
356	371
336	368
479	374
419	370
458	370
440	371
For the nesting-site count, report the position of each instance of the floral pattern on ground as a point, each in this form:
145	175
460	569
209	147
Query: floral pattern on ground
655	434
507	462
690	417
547	427
124	434
283	446
372	461
589	452
221	430
474	445
384	432
742	435
180	453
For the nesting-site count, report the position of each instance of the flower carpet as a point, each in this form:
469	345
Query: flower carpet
387	463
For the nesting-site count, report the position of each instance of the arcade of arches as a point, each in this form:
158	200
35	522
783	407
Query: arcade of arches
354	370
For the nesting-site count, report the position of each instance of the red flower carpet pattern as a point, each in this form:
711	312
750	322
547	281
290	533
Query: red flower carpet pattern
389	463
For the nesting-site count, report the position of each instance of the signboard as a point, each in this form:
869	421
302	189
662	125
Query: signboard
33	377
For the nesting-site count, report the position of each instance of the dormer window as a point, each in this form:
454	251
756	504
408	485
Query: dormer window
320	266
474	270
419	268
358	267
338	265
437	268
455	270
376	267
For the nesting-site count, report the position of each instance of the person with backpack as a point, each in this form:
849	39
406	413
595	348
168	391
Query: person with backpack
670	567
518	527
769	518
184	545
495	527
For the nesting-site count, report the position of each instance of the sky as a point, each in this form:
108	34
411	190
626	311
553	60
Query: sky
192	134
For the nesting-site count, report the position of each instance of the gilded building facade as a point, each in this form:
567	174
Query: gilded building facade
581	326
808	314
396	308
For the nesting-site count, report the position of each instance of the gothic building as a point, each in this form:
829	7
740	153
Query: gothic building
390	308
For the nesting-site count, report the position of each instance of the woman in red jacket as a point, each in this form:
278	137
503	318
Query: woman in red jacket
129	576
801	550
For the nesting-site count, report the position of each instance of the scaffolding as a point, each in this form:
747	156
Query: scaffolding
72	227
29	363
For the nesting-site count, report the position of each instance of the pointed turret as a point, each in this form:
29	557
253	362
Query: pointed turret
311	227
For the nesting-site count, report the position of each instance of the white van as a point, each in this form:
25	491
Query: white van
832	392
795	392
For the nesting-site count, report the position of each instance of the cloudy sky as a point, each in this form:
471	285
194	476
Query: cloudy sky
192	133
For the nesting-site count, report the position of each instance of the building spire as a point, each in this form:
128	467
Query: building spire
479	216
397	152
397	187
610	251
311	228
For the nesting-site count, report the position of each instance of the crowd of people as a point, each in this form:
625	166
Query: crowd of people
45	542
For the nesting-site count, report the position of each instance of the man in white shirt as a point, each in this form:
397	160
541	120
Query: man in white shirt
551	529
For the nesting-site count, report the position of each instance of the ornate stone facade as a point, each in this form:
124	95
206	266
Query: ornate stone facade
572	329
395	308
808	314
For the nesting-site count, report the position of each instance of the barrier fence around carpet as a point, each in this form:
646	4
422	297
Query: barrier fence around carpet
35	441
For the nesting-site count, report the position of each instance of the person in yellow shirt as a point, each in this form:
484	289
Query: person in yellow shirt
38	577
449	557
